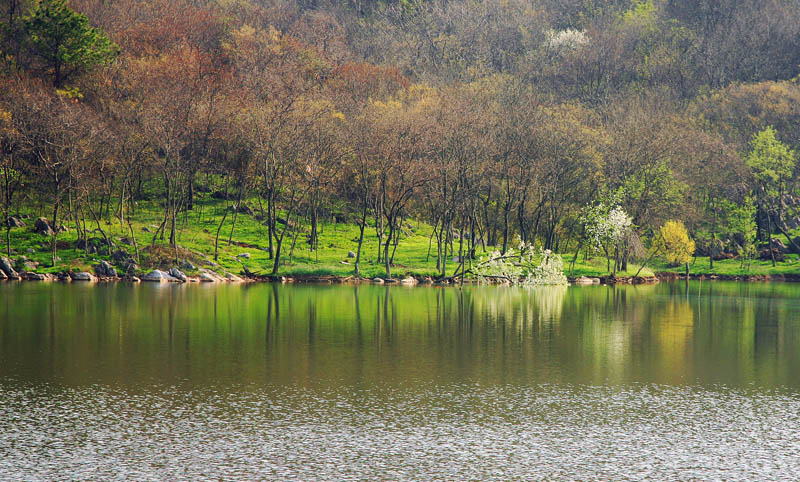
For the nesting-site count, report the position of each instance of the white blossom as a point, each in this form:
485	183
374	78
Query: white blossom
526	267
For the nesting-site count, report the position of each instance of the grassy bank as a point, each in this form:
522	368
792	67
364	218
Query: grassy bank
197	231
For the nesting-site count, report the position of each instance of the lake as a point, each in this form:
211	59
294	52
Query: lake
676	381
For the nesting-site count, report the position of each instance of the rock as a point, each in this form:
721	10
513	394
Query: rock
764	255
351	254
63	276
232	277
82	276
27	265
207	277
14	222
132	279
94	245
244	209
42	226
158	276
243	255
380	281
344	262
778	244
31	276
187	265
105	269
7	268
121	256
178	274
409	281
3	276
583	280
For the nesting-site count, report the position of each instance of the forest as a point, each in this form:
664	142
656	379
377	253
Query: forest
590	128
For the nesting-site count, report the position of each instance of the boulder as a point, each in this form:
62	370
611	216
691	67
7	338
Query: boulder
243	255
82	276
26	265
7	268
158	276
351	254
121	256
409	281
583	280
764	255
14	222
380	281
63	276
3	276
94	245
778	244
207	277
187	265
178	274
42	226
105	269
31	276
232	277
244	209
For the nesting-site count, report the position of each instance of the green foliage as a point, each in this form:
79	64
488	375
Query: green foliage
65	42
741	221
673	243
771	161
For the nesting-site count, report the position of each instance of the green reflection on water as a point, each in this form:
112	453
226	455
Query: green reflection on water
364	335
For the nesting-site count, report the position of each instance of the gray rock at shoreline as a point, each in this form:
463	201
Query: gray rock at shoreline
105	269
158	276
8	268
409	281
380	281
30	276
82	276
178	274
232	277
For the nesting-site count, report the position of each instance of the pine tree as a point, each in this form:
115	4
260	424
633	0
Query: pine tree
65	42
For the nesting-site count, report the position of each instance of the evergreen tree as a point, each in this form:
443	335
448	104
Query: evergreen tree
65	42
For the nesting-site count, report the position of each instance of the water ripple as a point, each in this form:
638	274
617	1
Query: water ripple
436	432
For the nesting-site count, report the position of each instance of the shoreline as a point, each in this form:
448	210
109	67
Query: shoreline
209	277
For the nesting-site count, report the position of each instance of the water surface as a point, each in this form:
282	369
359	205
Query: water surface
233	382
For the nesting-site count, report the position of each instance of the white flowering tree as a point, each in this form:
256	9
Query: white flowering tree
606	227
524	267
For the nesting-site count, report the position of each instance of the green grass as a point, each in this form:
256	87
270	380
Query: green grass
733	267
198	227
